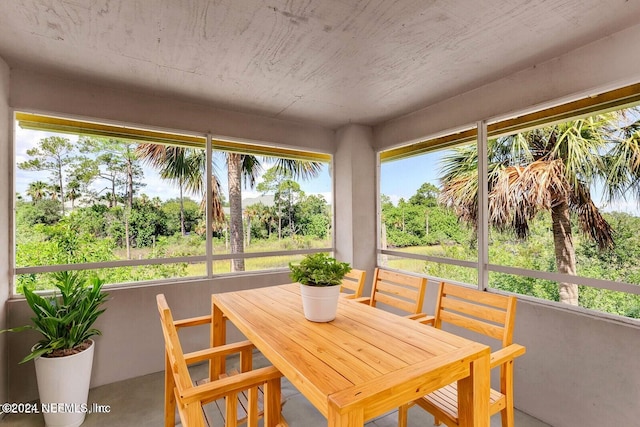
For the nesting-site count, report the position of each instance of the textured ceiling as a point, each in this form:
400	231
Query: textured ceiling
324	62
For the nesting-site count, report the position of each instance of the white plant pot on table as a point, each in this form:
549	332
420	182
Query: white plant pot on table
320	303
63	385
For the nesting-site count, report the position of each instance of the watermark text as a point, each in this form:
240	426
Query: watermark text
54	408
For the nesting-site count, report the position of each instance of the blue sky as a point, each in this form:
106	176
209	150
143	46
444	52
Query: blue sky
399	179
402	178
155	186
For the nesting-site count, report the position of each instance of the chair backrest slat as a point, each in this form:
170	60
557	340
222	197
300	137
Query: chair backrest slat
492	315
478	326
402	291
354	281
473	309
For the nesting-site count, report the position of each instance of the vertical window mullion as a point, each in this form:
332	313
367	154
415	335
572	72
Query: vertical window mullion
483	207
208	207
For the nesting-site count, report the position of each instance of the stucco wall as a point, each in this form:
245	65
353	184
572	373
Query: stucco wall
597	67
131	344
47	93
579	370
5	278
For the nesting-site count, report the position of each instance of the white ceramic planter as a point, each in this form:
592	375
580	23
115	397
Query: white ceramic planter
63	385
320	303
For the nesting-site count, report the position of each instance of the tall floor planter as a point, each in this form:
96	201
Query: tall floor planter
63	385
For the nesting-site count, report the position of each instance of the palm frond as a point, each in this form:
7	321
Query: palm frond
299	169
459	181
622	163
520	193
251	169
591	221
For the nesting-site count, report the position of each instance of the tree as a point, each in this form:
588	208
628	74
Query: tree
183	166
237	166
240	167
44	211
53	154
248	166
73	192
549	169
182	214
286	192
121	166
187	167
288	195
37	190
267	217
251	212
313	216
426	195
83	173
148	221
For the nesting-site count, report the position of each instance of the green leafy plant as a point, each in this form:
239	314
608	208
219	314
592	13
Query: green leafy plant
319	270
65	320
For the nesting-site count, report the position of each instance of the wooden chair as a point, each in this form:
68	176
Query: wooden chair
491	315
189	398
400	291
354	282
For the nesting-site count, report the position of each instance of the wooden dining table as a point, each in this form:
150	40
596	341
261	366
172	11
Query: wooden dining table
364	363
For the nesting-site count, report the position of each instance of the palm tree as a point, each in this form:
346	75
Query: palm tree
549	169
37	190
187	168
239	167
73	193
246	166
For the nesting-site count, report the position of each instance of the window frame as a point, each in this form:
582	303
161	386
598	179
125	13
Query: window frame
491	128
62	123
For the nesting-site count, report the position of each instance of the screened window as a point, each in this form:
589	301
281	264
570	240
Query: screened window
562	214
136	205
420	230
563	198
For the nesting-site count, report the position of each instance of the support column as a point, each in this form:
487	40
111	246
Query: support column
5	202
355	197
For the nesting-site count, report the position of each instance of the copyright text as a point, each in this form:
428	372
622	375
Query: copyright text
54	408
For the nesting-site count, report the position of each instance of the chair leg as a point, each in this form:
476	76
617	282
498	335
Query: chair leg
252	409
194	415
231	410
507	416
169	397
402	415
272	403
506	388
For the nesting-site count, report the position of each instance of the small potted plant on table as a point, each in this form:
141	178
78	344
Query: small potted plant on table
64	356
320	277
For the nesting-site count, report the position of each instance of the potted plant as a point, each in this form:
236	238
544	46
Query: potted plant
320	277
64	356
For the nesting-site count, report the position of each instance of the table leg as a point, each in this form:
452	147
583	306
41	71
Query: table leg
218	337
473	395
353	418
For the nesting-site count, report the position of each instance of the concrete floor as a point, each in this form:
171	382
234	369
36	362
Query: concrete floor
139	402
